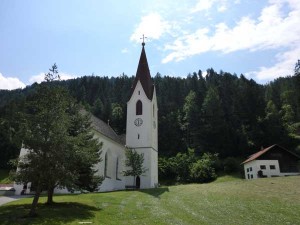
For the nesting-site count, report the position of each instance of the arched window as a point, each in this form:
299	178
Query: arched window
105	165
117	168
153	111
139	107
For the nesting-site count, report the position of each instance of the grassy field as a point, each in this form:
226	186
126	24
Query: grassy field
226	201
4	177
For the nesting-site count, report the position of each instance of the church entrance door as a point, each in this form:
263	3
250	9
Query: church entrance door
138	182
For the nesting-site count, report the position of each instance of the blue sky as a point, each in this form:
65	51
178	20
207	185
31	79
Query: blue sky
258	38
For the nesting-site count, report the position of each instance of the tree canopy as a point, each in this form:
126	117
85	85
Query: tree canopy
60	145
220	112
134	163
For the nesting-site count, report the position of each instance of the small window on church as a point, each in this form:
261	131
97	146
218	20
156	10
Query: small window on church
139	92
139	107
138	136
153	111
117	169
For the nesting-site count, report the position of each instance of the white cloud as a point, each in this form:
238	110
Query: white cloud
206	5
284	66
124	50
203	5
10	83
273	29
37	78
153	26
40	77
222	8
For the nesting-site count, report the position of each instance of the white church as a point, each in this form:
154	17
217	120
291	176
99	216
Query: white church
141	135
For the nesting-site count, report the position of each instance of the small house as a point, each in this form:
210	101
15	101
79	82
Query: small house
273	161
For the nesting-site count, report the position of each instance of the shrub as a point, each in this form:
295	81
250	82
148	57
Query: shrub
202	170
181	165
165	169
187	167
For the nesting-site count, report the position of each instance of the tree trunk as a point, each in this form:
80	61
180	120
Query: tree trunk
50	196
32	211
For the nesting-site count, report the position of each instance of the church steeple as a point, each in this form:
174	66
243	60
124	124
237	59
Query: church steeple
142	122
143	75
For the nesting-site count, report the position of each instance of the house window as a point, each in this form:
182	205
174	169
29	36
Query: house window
139	107
250	168
248	176
262	167
272	167
247	169
251	176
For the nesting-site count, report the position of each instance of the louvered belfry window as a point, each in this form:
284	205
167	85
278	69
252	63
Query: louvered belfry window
139	107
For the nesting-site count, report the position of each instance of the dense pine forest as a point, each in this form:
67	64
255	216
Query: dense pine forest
218	113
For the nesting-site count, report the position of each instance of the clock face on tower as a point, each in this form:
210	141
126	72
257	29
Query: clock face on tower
138	122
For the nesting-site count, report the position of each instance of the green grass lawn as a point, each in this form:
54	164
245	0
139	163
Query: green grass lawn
4	177
229	201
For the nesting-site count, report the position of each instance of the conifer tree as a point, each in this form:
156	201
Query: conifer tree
58	141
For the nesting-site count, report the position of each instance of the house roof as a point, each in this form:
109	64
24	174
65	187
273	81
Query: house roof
104	128
263	151
143	75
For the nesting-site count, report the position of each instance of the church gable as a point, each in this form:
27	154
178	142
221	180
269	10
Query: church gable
104	129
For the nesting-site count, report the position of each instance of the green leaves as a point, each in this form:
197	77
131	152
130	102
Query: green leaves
187	167
134	161
59	142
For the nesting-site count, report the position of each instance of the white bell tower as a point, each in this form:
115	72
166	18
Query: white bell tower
141	125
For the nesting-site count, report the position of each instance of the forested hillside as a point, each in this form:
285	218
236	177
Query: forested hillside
219	113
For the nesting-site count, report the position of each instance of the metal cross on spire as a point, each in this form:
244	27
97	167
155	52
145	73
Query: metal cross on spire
143	43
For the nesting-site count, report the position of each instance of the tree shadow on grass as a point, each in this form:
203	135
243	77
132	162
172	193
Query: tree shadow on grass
155	192
58	213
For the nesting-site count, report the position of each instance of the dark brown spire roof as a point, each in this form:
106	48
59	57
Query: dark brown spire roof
143	74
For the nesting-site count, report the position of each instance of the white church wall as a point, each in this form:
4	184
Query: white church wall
19	187
155	122
114	180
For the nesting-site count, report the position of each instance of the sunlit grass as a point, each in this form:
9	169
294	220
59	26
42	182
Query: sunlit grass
232	201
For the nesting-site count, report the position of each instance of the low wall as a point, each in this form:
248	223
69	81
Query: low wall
7	192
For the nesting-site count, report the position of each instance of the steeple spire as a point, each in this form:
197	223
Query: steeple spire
143	74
